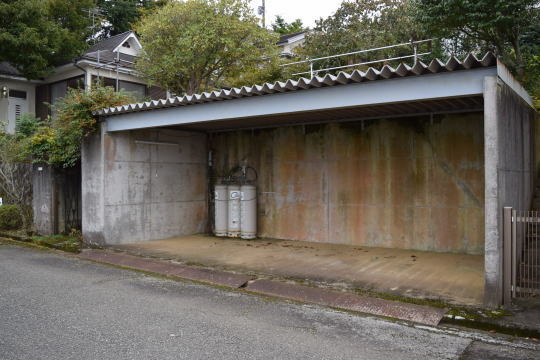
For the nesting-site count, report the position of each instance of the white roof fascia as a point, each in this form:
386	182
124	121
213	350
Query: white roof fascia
505	75
296	38
396	90
20	78
130	36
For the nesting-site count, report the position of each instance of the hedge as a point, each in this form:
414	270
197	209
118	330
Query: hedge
10	217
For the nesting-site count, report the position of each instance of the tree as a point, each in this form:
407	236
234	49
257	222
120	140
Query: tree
282	27
196	44
120	15
15	179
37	35
510	28
498	25
360	25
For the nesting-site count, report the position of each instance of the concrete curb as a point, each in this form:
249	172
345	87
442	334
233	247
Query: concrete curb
167	269
410	312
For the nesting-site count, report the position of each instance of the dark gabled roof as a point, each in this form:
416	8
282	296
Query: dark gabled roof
106	54
111	43
387	72
284	38
7	69
104	51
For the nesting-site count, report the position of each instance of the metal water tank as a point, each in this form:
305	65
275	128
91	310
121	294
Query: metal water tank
221	204
248	212
233	224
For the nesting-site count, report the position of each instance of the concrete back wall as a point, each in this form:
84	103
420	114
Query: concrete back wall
135	192
414	183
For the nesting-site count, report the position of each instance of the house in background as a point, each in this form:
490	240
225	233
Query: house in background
110	61
289	41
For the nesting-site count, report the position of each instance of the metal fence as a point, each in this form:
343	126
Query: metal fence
412	44
521	249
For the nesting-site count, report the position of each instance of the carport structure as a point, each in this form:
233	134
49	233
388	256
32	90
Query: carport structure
422	157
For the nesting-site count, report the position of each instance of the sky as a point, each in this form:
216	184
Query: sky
306	10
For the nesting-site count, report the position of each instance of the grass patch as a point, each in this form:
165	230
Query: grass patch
20	235
67	243
454	311
493	328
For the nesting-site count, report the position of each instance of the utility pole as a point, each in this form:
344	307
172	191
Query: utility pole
262	11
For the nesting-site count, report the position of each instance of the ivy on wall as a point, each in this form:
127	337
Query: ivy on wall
57	141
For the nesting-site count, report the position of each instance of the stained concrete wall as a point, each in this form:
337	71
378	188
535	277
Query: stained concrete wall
133	191
510	165
415	183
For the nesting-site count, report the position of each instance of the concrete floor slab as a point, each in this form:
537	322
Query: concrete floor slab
453	278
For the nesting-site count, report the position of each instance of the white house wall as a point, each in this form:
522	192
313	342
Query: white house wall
17	85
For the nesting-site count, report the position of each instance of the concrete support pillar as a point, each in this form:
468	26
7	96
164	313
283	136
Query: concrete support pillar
93	187
44	199
493	243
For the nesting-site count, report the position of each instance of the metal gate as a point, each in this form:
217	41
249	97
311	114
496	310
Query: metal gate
68	182
521	249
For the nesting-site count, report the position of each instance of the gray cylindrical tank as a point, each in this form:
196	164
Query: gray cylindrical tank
221	205
233	223
248	212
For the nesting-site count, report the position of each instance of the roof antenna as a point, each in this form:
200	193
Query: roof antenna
97	16
262	11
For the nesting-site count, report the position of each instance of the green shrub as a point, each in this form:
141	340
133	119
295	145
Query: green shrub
10	217
57	141
26	125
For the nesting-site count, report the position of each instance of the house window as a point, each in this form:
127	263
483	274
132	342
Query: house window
137	90
60	89
104	81
17	94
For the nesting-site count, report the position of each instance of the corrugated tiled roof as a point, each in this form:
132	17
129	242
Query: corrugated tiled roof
357	76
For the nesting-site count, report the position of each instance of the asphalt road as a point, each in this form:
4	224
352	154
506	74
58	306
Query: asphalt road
54	307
